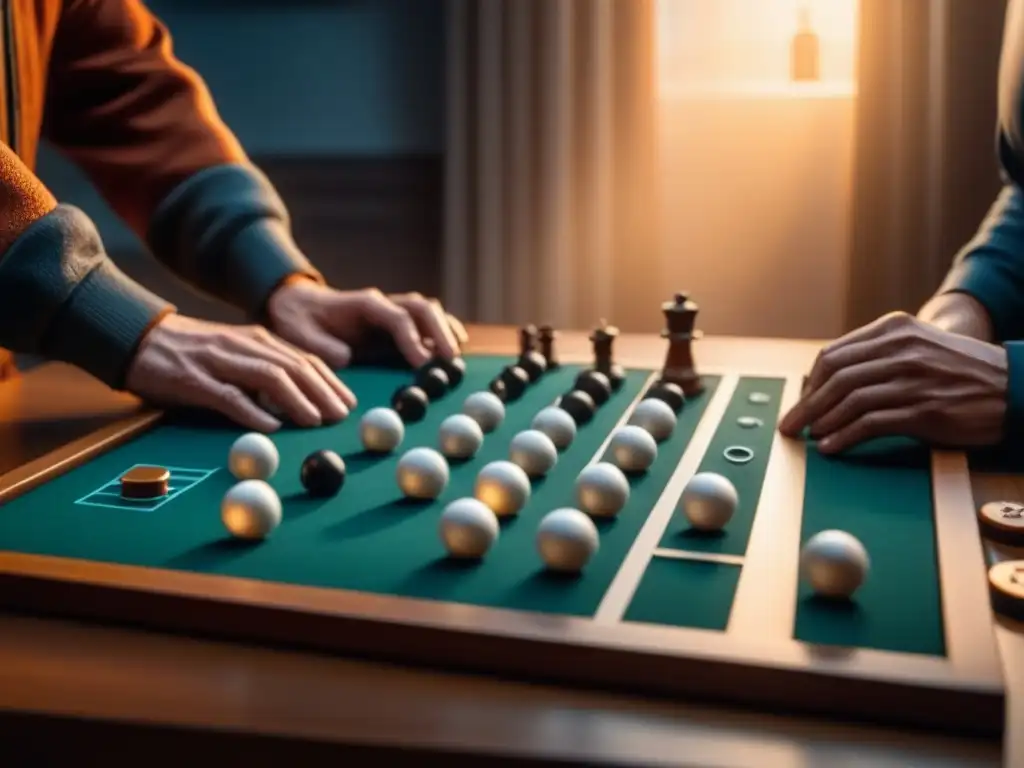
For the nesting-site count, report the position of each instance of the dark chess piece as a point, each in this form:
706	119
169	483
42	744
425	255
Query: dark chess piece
527	339
546	338
603	339
680	321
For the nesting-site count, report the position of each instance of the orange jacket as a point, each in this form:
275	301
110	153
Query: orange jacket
99	80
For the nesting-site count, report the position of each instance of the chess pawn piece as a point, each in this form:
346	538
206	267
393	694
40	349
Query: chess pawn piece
527	339
680	321
546	336
603	339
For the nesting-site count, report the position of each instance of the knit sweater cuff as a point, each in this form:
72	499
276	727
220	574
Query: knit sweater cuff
1014	422
61	297
990	285
226	231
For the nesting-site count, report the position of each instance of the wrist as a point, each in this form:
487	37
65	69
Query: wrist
959	313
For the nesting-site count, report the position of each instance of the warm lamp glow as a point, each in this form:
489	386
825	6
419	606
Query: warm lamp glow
749	43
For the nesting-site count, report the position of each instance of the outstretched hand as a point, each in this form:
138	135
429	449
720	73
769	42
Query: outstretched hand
328	322
193	363
900	376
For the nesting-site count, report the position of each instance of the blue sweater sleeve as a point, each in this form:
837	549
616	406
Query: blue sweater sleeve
226	232
990	268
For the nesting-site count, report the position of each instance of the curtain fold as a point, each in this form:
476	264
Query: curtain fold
551	205
925	170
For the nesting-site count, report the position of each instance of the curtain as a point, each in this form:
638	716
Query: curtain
925	171
551	206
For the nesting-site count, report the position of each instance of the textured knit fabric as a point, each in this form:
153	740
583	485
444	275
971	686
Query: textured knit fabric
99	80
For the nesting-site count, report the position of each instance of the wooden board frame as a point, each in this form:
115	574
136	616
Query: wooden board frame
754	662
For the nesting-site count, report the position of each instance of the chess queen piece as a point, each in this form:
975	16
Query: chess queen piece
680	319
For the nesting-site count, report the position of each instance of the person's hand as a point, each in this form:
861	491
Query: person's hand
187	362
900	376
327	322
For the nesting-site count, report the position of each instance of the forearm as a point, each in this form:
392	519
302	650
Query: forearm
227	232
959	313
61	297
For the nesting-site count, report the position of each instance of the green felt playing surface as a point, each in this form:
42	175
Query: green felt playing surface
882	494
368	538
748	478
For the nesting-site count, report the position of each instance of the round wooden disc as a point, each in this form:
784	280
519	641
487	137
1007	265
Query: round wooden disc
1006	583
1003	521
145	482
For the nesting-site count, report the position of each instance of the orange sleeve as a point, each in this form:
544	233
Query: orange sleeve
119	103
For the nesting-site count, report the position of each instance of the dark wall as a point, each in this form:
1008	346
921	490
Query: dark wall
342	105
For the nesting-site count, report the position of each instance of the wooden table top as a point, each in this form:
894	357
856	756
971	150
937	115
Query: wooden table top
150	691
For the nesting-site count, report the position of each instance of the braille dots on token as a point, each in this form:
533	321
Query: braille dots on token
410	403
1006	587
504	487
534	451
468	528
323	473
556	424
251	510
1003	522
632	449
709	501
750	422
759	398
567	539
253	456
486	409
422	473
381	430
656	417
602	490
460	436
834	563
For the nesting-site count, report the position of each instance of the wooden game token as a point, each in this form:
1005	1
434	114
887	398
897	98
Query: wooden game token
1003	521
1006	585
145	483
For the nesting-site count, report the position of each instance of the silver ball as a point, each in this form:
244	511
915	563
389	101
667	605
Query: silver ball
602	490
709	501
534	451
422	473
504	487
834	563
557	424
567	539
486	409
656	417
460	436
251	509
468	528
632	449
253	456
381	430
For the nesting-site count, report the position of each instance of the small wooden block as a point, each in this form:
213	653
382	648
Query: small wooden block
1006	585
1003	521
145	483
